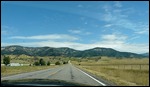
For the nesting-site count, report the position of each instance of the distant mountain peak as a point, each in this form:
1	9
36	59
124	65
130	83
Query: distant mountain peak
145	54
65	51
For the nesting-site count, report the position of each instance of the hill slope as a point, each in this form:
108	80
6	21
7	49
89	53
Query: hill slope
145	54
65	51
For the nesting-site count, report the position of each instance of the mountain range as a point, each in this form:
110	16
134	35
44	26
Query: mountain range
145	54
68	52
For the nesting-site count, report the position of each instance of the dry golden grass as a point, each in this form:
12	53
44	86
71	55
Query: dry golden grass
121	76
11	70
106	60
25	59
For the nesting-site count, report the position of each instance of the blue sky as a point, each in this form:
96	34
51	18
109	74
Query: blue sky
123	26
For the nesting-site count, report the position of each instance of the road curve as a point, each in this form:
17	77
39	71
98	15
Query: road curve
67	72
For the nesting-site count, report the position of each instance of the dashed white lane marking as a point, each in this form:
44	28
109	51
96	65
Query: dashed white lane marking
92	77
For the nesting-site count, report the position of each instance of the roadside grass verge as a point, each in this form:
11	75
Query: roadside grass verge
12	70
120	76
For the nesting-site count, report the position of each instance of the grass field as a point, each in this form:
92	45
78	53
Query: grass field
124	72
121	76
11	70
25	59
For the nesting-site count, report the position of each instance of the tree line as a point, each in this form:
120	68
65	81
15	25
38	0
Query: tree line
41	62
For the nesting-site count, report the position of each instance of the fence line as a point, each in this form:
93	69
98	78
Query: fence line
111	64
121	66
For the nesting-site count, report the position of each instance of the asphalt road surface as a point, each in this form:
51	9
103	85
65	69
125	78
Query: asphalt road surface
67	72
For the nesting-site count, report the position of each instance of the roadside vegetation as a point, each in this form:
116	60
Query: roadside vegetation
122	72
11	70
25	59
57	63
48	63
6	60
30	63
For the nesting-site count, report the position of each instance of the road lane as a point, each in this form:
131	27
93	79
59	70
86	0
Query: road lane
67	72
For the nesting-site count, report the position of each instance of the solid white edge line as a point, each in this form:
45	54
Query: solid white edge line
92	78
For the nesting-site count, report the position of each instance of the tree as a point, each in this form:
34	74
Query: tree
57	63
30	65
42	62
6	60
36	63
48	63
65	62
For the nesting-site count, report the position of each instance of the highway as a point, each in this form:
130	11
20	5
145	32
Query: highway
66	72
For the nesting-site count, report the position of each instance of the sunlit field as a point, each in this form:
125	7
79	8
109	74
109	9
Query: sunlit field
26	61
125	72
11	70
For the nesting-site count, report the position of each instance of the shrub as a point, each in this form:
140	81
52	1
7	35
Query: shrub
6	60
65	62
57	63
48	63
36	63
42	62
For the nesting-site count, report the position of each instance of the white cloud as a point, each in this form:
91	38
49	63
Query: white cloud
134	37
117	45
81	32
109	37
118	4
75	31
143	29
113	37
112	16
47	43
8	30
107	8
5	30
136	48
108	25
115	41
119	20
108	17
47	37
